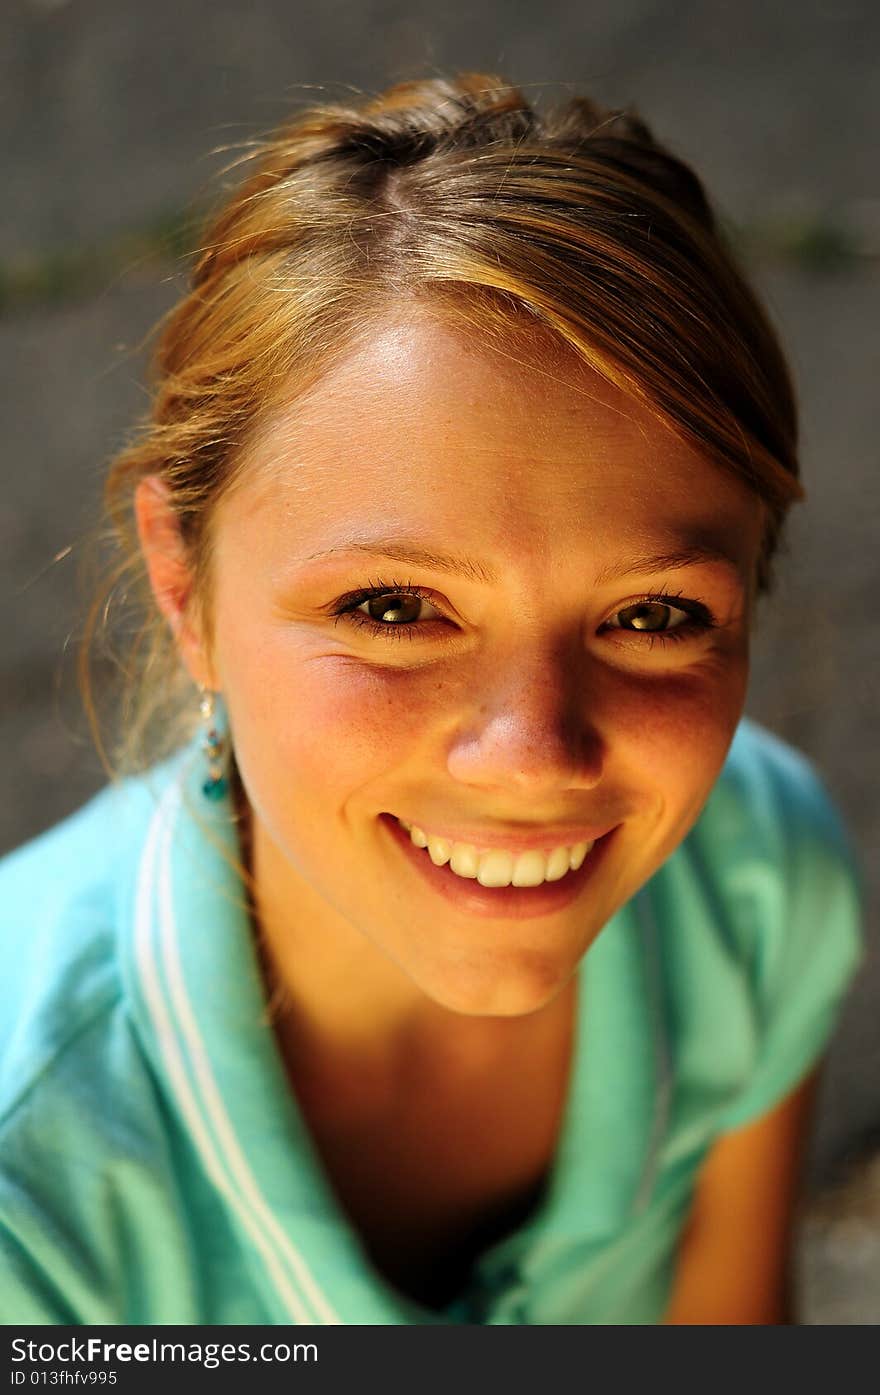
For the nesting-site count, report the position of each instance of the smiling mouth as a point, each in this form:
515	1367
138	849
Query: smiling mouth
465	894
500	867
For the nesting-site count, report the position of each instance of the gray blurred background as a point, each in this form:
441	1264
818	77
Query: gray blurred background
111	110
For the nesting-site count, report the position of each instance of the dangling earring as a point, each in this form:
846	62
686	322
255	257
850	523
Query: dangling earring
213	748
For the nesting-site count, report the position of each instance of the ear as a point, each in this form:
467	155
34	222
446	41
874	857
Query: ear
170	573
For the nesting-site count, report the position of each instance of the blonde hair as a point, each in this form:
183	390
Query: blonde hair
460	191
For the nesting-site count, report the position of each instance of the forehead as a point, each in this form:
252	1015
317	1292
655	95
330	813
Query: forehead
423	428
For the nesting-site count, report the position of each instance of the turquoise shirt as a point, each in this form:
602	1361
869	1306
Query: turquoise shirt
154	1167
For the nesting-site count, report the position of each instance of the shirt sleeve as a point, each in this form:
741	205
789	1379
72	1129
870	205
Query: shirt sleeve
811	940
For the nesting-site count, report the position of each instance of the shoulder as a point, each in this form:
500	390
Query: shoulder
761	919
63	899
56	937
769	825
774	842
83	1136
771	794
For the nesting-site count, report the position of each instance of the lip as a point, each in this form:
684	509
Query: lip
501	903
543	840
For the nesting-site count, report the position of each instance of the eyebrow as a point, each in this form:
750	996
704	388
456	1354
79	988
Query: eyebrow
412	553
668	562
400	550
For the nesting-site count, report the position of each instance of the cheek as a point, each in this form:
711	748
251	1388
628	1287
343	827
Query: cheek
327	722
674	733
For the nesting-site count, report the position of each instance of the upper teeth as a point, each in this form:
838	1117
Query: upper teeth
498	866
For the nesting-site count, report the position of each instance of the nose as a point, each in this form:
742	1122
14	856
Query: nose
531	727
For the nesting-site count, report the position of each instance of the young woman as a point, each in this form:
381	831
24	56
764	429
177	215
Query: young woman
468	957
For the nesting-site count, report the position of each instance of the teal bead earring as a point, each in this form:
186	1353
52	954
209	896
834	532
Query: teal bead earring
214	748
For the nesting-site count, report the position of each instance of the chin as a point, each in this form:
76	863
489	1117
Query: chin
497	989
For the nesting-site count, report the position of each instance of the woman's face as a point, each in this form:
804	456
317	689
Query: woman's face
559	656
